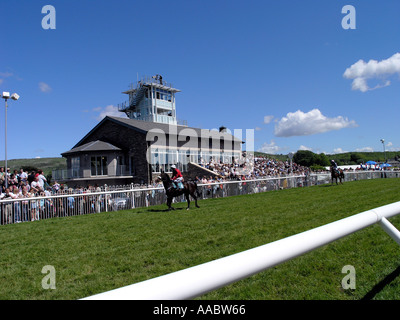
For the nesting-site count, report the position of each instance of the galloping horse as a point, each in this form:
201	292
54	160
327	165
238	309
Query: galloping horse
335	174
189	188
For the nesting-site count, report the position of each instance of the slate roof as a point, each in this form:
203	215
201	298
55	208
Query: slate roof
93	146
145	126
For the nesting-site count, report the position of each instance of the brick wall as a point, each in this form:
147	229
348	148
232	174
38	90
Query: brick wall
132	143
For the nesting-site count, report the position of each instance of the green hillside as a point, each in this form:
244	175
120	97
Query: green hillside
46	164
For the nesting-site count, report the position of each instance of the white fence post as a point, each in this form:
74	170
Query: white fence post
390	229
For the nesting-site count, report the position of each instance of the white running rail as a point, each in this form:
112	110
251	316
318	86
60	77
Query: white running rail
195	281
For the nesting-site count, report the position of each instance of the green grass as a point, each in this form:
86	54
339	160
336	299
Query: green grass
100	252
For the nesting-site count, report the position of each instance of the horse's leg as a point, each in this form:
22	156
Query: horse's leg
195	201
195	198
169	201
188	201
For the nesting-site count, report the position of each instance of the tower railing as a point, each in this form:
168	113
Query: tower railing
123	106
153	80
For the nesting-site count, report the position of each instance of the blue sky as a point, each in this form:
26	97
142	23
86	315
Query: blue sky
287	69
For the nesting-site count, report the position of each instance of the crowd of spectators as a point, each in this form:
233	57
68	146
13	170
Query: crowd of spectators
28	185
33	187
35	183
23	184
254	168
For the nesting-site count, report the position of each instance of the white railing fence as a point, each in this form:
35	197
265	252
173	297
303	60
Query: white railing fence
195	281
117	198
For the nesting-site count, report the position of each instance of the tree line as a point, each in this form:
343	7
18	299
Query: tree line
311	159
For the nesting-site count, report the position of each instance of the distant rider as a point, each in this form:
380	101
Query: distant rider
176	175
334	165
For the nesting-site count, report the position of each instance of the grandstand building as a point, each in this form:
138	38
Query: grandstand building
134	149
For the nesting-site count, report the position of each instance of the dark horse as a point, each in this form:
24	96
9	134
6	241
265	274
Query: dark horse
189	189
337	173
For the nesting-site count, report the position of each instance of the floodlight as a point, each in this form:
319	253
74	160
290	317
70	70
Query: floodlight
6	95
15	96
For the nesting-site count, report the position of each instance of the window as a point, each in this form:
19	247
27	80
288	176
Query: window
163	95
98	166
75	167
75	163
162	159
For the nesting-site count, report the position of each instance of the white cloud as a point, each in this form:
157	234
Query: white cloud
270	148
338	150
44	87
268	119
305	148
108	111
4	75
365	149
302	124
361	71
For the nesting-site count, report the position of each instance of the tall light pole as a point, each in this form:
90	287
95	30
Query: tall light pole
6	96
384	151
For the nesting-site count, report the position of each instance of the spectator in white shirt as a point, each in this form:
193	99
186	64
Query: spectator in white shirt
23	175
35	185
7	214
42	179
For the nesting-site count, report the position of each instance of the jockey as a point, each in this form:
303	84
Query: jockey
334	165
176	175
